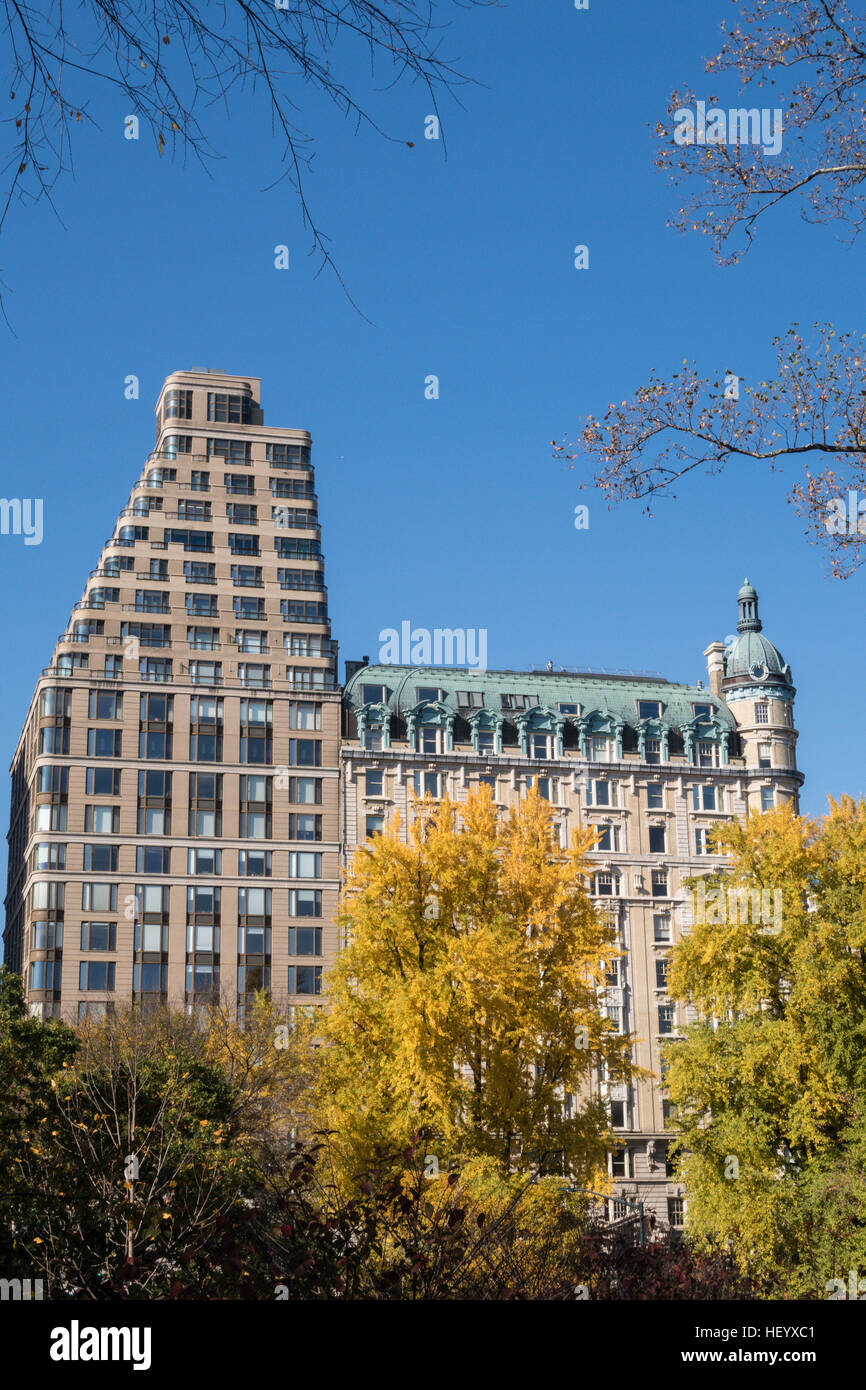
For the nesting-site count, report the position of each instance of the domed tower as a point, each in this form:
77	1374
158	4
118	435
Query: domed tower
755	681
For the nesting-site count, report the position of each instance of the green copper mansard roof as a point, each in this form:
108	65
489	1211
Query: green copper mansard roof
614	695
751	654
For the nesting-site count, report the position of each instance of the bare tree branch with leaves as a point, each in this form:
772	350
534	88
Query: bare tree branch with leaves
808	58
169	62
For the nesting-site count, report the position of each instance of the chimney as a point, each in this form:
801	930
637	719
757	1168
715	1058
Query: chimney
715	654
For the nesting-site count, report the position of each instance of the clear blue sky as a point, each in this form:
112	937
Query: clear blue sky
449	512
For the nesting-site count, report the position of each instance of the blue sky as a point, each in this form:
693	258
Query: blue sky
448	512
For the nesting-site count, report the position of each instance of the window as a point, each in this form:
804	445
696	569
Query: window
248	639
305	752
305	791
619	1164
304	826
607	885
305	902
152	859
617	1114
708	754
373	784
657	839
373	694
96	974
373	826
205	804
702	841
705	799
205	729
568	708
154	803
768	798
254	674
305	714
242	514
304	864
254	818
202	605
518	701
539	746
599	794
649	709
254	863
470	699
232	450
662	972
47	936
156	715
190	540
288	455
99	897
305	979
239	484
661	927
655	796
98	936
198	481
248	608
676	1212
598	748
105	705
426	783
608	837
240	544
762	712
102	820
193	510
204	861
305	941
203	638
659	883
48	856
101	743
485	741
256	741
178	405
428	694
427	739
765	755
653	751
702	711
666	1019
229	408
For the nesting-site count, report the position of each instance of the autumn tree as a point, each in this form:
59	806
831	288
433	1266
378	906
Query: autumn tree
465	1007
768	1087
806	61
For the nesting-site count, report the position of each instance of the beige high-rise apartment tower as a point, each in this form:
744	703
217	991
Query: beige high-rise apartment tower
174	825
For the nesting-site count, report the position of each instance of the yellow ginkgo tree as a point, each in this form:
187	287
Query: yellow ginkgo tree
768	1086
464	1009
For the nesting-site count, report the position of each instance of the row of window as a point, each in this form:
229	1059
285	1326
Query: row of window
149	977
475	699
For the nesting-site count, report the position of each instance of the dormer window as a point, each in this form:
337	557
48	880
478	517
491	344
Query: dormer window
470	699
373	695
649	709
568	708
428	694
702	711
